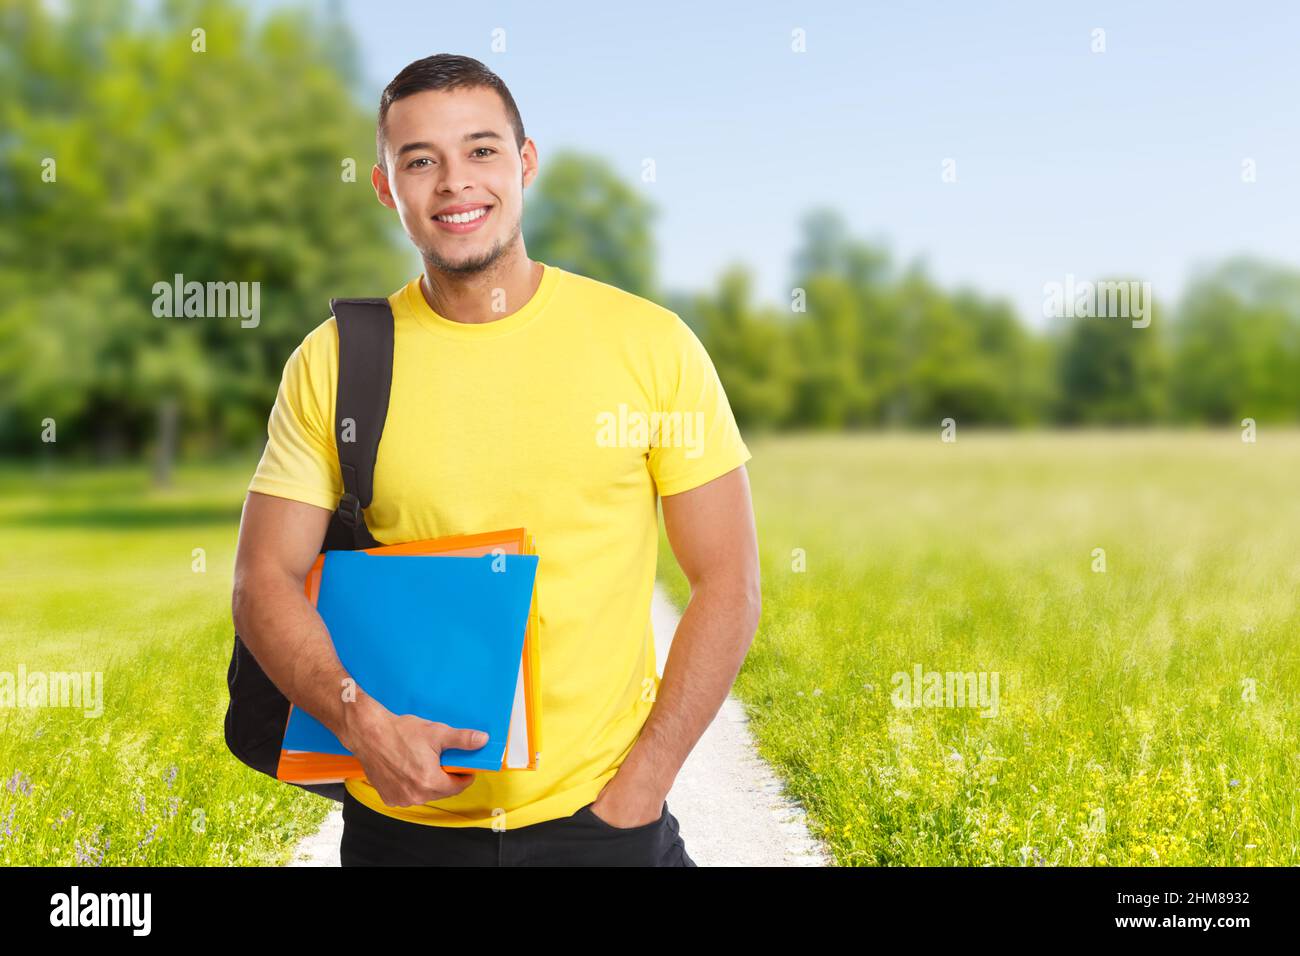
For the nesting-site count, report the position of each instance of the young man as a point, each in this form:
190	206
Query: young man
523	395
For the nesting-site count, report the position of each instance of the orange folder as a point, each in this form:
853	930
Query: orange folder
523	747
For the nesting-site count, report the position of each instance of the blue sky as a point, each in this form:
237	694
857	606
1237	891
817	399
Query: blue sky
1068	161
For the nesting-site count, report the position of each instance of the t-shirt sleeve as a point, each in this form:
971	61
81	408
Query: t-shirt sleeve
300	461
697	439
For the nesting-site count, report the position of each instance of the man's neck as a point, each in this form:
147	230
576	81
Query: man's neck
483	296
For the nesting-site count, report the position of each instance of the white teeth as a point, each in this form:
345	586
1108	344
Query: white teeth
470	216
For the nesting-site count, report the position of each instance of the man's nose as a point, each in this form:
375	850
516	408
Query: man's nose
455	177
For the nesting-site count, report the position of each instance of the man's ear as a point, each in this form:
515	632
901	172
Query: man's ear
528	160
379	179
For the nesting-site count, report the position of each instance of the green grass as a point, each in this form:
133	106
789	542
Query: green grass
1122	736
1121	693
97	574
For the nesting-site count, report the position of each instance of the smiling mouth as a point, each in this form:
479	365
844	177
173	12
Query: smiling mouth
463	218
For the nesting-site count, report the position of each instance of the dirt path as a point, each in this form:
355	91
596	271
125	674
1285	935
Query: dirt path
731	805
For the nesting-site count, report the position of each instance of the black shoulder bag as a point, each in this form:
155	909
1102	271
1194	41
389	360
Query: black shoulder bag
258	712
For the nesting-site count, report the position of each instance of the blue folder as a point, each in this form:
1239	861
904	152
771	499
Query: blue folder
435	636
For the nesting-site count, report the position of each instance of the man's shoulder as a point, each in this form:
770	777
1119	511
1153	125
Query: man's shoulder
610	304
323	340
321	345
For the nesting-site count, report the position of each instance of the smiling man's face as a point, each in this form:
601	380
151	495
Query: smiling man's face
452	152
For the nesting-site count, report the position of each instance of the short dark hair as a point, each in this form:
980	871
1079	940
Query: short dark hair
444	71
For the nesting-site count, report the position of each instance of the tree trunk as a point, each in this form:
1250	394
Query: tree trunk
165	452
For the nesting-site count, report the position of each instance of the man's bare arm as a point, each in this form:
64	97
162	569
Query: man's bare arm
278	543
711	531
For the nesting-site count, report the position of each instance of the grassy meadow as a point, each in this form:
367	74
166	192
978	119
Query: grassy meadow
99	574
1145	714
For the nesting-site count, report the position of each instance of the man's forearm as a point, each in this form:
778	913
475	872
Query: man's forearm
712	639
290	641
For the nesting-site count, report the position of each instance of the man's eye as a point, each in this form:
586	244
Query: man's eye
485	149
422	159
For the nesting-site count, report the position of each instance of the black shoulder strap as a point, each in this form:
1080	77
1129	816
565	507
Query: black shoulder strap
365	376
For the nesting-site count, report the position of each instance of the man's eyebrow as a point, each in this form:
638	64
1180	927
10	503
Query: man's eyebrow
467	138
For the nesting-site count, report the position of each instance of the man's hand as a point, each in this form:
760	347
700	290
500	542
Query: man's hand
401	755
624	807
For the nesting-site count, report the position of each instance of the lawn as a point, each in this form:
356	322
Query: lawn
99	574
1145	713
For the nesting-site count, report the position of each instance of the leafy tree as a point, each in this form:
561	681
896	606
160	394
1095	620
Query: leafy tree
836	275
1237	345
1112	372
749	347
225	165
581	217
886	348
946	372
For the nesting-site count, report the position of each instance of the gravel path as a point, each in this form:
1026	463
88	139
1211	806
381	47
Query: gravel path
731	805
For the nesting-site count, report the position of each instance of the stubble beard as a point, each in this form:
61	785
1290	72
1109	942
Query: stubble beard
474	264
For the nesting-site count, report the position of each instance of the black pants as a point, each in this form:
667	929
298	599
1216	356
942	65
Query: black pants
371	838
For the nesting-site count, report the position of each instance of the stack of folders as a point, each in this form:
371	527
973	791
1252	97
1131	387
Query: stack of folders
445	629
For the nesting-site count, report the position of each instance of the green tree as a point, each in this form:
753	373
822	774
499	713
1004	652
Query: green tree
1236	349
750	349
958	357
878	347
1112	372
581	217
223	165
837	280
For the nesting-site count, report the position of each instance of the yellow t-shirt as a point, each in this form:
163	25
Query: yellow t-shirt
565	417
